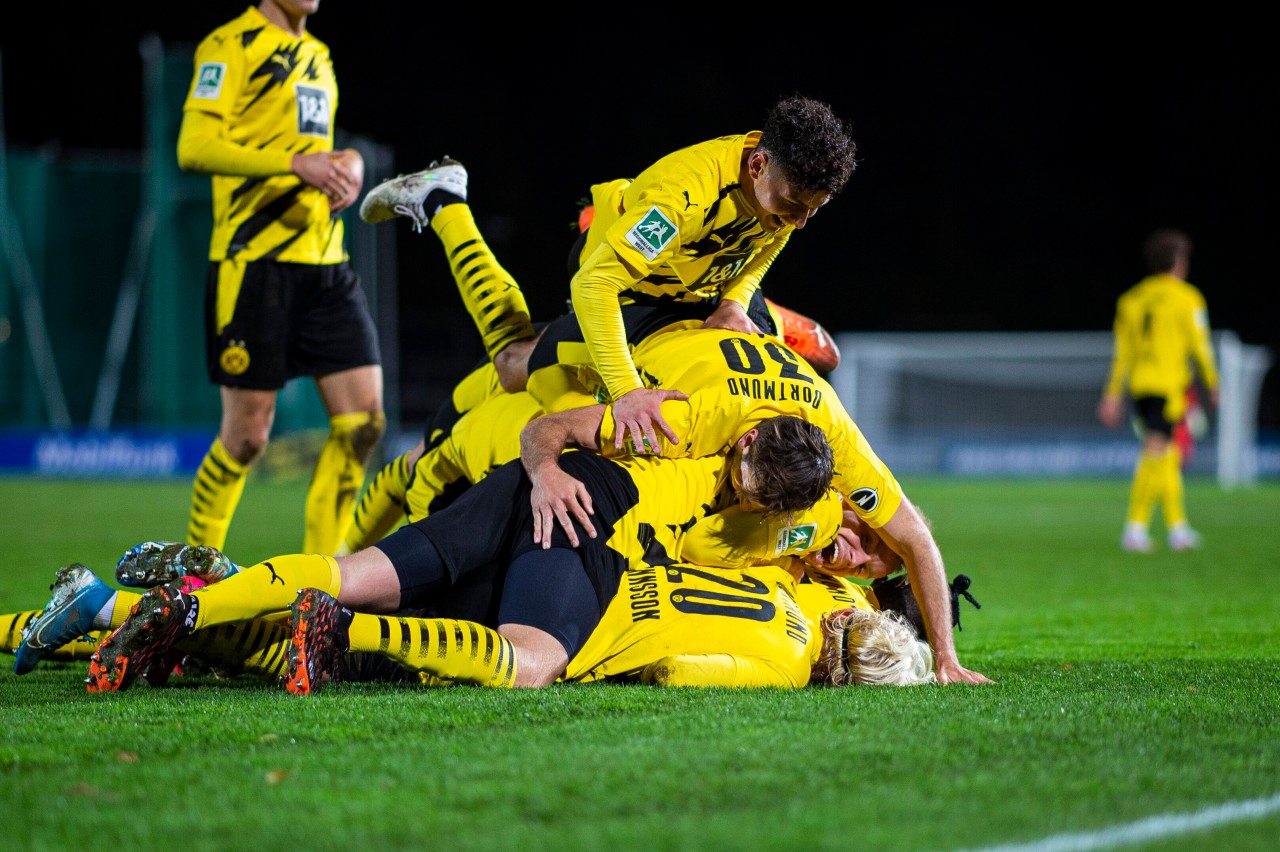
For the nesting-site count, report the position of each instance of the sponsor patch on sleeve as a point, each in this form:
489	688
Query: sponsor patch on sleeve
209	79
651	234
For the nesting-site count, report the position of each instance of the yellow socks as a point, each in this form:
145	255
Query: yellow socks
337	479
381	508
214	496
1148	485
449	650
1172	503
266	588
491	296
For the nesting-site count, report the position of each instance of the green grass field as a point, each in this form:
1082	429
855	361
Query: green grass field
1136	704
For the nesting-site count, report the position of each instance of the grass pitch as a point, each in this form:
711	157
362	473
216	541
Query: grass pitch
1136	703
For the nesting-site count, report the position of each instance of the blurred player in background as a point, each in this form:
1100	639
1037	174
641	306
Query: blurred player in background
1161	329
281	300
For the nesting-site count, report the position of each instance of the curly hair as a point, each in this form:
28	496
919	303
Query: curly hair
810	144
791	465
873	648
1164	248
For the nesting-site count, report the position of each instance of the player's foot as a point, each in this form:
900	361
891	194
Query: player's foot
808	338
176	661
1183	538
1137	541
404	195
319	641
155	562
78	595
159	619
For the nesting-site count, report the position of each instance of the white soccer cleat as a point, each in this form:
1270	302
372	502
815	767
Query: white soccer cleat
1137	541
404	195
1183	538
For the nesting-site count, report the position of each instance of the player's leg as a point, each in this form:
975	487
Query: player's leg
166	614
437	197
353	399
245	358
1148	484
247	416
81	605
382	506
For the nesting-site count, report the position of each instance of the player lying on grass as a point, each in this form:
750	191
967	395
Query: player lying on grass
674	624
527	515
728	379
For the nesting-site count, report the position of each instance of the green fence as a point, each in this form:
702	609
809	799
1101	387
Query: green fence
102	279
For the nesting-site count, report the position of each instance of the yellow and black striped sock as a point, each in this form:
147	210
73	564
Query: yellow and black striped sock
338	476
214	496
491	296
381	507
451	650
258	646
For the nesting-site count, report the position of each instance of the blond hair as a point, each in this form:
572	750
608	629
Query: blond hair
874	648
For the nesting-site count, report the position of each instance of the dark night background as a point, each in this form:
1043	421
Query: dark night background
1010	166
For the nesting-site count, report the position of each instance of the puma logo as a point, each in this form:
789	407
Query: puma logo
687	202
275	578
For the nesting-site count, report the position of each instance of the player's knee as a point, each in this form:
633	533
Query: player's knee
361	430
512	365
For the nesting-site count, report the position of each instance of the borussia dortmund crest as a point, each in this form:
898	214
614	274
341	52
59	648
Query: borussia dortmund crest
234	360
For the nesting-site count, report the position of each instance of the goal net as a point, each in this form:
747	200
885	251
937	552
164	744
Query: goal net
1024	403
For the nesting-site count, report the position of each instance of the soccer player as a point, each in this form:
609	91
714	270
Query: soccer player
1161	328
514	517
690	238
281	298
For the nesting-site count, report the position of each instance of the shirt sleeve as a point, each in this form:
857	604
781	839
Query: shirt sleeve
203	148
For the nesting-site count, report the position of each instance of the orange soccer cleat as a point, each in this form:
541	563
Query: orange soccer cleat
808	338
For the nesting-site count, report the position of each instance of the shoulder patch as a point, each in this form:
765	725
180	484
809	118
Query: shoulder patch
795	540
209	79
651	234
866	499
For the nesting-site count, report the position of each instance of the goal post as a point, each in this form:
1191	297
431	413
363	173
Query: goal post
1024	403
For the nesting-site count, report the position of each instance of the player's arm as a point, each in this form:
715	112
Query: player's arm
1111	406
731	313
594	290
1202	349
557	496
907	533
714	670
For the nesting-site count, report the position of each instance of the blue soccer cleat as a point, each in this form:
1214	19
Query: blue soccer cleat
154	563
78	595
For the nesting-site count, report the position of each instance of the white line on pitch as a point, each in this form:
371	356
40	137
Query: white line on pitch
1151	828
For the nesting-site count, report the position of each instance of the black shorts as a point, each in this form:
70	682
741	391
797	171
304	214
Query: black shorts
289	320
492	523
640	320
1149	411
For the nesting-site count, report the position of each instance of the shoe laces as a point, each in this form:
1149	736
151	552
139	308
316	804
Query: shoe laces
960	589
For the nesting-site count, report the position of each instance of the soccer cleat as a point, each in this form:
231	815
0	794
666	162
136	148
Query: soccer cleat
176	662
1137	541
1183	538
404	195
319	641
808	338
163	616
153	563
78	595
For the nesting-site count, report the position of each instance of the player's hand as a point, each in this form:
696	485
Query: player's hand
731	316
338	174
557	497
638	413
952	672
1110	410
